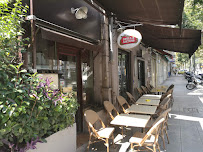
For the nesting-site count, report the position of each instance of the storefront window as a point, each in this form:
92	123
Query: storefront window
67	73
46	56
87	78
65	66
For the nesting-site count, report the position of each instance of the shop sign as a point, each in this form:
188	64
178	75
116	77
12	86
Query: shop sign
129	39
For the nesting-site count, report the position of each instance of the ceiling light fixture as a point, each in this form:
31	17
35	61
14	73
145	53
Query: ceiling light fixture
80	13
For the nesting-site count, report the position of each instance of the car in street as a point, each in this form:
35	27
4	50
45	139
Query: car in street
181	71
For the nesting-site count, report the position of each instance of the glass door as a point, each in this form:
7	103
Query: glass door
123	72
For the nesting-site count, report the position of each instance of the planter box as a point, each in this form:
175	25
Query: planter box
62	141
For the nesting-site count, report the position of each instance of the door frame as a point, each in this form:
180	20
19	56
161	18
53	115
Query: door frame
63	49
128	72
143	61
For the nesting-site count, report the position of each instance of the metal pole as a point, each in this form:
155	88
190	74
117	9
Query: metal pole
110	38
190	68
194	64
33	30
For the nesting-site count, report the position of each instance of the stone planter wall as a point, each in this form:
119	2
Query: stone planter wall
62	141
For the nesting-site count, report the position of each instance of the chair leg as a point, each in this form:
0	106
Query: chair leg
131	147
162	137
166	135
158	147
107	144
167	125
88	146
113	141
154	148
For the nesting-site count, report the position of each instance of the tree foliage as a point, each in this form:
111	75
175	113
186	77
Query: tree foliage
181	58
192	19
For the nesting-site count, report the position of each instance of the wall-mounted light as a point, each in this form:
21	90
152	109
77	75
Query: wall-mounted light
80	13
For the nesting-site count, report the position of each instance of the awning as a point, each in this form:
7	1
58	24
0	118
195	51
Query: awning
171	39
165	53
66	39
167	12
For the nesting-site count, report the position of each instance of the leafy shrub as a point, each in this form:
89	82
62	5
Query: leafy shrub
30	110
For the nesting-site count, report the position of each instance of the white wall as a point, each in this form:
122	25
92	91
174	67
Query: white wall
62	141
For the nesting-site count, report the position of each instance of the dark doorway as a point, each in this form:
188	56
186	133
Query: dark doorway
123	72
141	73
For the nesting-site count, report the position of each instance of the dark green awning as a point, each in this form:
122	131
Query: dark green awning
171	39
162	12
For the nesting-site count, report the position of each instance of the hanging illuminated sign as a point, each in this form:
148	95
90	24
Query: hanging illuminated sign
129	39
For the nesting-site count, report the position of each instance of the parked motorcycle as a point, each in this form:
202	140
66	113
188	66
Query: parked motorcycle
193	81
188	75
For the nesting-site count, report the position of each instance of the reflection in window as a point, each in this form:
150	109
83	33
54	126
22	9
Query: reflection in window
123	72
87	78
46	56
67	73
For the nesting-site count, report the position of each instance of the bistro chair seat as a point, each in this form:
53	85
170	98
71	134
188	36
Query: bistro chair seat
149	139
104	133
138	137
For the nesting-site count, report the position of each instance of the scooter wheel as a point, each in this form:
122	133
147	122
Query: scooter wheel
190	86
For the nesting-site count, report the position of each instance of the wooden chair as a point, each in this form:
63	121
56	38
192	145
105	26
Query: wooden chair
145	89
149	139
123	103
170	87
172	99
164	125
163	96
131	98
149	88
140	92
110	109
104	133
164	104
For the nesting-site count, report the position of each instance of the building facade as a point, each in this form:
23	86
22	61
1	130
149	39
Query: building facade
83	56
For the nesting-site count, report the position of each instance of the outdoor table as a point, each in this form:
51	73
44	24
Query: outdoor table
131	120
150	96
142	109
152	102
159	89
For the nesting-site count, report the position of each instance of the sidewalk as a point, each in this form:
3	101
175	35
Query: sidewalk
185	125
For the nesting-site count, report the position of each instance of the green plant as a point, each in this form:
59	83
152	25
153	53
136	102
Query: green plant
30	110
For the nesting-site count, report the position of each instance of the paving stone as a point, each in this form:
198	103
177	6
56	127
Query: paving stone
174	147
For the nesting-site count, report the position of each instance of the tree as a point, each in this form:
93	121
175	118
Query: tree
181	59
193	19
